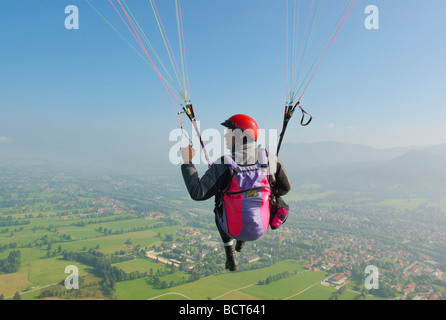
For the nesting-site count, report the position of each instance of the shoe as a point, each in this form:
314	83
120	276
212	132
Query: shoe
239	246
230	260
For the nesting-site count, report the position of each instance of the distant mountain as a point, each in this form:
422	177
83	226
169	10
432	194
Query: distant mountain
438	150
416	166
330	165
323	154
349	167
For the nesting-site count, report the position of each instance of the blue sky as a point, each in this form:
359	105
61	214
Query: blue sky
85	91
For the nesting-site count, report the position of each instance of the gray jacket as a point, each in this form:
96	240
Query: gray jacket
218	176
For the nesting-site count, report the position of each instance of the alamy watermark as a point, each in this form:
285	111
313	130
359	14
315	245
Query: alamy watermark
370	22
214	143
72	281
372	280
72	20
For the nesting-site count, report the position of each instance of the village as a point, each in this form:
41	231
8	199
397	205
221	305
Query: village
332	241
407	247
204	244
407	273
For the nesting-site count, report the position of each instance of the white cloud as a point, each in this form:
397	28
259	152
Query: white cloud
331	125
351	128
4	139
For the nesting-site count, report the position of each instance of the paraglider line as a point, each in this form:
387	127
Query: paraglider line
153	64
327	49
145	51
301	45
184	49
167	42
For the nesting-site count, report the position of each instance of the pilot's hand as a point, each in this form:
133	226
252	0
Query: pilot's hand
187	154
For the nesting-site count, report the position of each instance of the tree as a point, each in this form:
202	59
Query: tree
17	296
12	263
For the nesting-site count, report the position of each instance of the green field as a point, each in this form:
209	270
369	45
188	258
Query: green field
110	224
441	204
36	273
238	285
293	196
288	287
409	204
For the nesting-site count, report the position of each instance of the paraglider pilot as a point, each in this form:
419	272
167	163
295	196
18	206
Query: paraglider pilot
241	185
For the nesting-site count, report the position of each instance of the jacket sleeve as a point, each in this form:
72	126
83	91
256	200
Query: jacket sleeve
207	186
283	184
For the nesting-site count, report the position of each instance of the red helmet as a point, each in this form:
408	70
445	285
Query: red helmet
243	122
